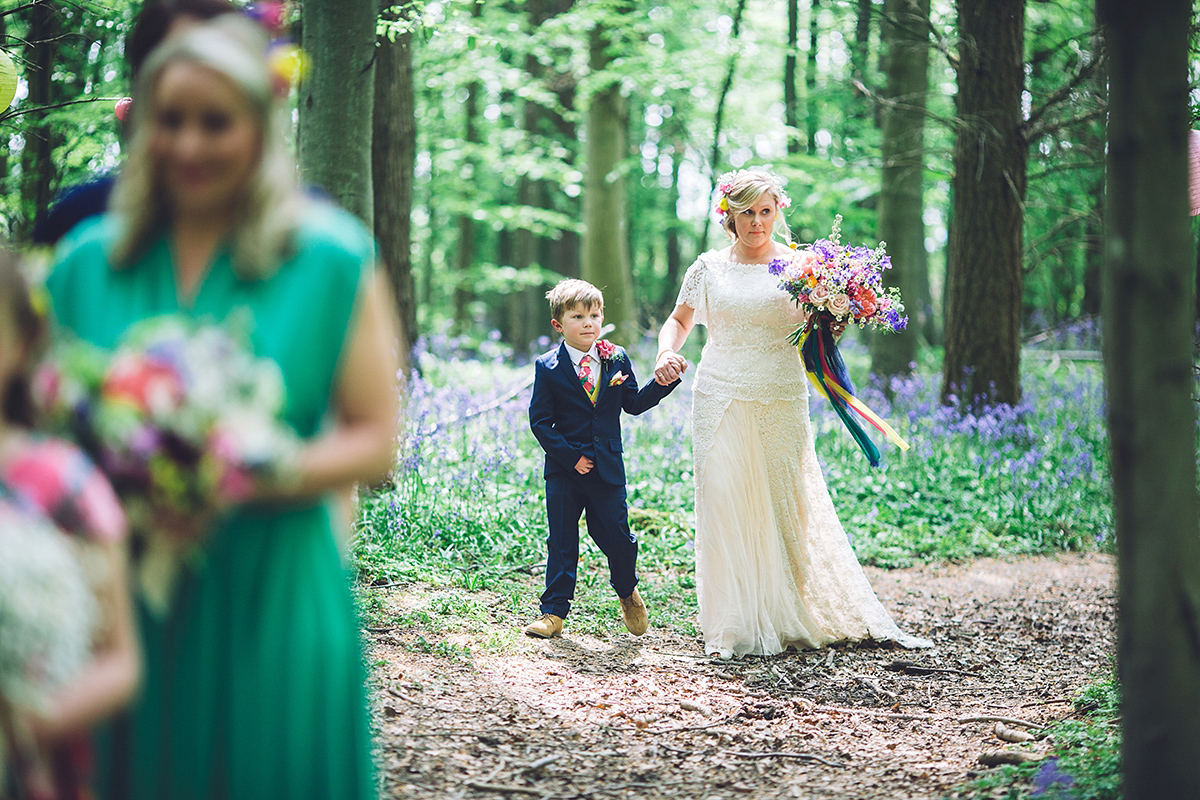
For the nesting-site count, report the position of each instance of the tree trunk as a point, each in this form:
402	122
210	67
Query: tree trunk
465	253
527	315
983	277
714	158
811	122
605	244
674	246
791	114
1148	319
901	206
336	100
860	55
39	172
394	152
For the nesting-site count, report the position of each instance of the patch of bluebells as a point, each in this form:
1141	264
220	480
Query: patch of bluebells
469	489
1051	782
1026	478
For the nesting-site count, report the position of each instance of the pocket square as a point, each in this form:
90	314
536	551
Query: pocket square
618	379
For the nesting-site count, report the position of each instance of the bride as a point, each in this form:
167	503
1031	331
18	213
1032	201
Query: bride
774	568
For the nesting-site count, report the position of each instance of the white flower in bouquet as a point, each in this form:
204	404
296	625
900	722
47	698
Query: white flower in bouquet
185	420
47	609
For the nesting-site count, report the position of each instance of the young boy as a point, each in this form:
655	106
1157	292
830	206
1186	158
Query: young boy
579	391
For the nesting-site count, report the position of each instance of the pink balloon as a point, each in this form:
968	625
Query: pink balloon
123	106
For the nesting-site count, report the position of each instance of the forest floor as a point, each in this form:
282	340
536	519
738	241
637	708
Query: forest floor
615	716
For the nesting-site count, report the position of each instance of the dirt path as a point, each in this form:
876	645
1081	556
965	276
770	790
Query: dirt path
653	718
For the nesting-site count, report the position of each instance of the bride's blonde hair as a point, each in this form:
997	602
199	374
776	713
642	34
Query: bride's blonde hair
740	189
236	48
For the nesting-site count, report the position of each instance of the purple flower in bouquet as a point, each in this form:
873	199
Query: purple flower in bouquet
842	280
183	419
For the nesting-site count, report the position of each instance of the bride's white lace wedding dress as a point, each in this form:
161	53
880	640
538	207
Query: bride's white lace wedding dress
774	568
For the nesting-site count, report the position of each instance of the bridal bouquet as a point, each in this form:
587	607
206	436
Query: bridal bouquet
836	282
181	418
842	281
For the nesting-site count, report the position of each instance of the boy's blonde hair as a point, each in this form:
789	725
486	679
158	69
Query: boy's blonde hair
570	293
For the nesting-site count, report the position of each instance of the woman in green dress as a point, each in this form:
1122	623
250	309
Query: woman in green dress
254	681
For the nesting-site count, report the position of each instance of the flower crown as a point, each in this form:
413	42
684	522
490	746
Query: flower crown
287	63
725	186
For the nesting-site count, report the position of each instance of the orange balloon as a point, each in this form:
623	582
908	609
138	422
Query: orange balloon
8	80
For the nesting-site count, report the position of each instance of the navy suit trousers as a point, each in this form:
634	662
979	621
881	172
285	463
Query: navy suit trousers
567	497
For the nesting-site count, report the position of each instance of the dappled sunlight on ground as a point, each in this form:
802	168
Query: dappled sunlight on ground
469	708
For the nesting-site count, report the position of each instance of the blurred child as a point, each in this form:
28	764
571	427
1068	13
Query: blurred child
579	391
52	478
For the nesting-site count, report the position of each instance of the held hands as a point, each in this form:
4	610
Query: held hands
669	367
584	465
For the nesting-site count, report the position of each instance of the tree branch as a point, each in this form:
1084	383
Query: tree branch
1066	123
1083	73
22	111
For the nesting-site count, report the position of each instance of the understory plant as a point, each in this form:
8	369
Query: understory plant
468	493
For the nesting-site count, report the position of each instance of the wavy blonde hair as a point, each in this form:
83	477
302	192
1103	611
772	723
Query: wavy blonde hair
265	228
740	189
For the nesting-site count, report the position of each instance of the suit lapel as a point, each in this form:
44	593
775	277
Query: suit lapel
568	370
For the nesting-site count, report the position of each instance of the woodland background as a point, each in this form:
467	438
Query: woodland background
517	142
1026	165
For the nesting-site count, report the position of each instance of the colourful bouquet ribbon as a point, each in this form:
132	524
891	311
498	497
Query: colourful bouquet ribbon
825	368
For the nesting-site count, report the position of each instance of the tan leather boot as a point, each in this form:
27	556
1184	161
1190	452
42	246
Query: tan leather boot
546	627
633	611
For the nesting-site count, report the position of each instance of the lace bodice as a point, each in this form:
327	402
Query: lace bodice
747	355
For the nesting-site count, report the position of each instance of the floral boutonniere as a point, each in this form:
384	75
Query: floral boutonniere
618	379
606	350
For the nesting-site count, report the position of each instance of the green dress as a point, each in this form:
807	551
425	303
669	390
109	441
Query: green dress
253	682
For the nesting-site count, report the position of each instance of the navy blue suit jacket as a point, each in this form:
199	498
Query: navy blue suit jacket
568	426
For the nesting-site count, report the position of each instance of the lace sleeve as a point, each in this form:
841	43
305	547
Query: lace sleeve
694	292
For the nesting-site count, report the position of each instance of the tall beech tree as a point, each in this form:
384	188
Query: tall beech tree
336	100
1148	325
393	156
901	197
791	114
43	48
605	239
983	273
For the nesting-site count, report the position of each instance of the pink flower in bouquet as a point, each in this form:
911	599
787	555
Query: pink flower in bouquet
235	483
47	385
148	384
839	304
819	295
866	302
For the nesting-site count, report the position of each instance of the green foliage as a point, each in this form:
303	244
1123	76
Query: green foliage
1085	763
467	505
77	118
500	95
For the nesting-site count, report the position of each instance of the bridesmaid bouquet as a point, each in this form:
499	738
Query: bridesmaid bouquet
836	282
181	418
47	619
47	610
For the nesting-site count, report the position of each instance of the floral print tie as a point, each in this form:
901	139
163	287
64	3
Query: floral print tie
586	377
